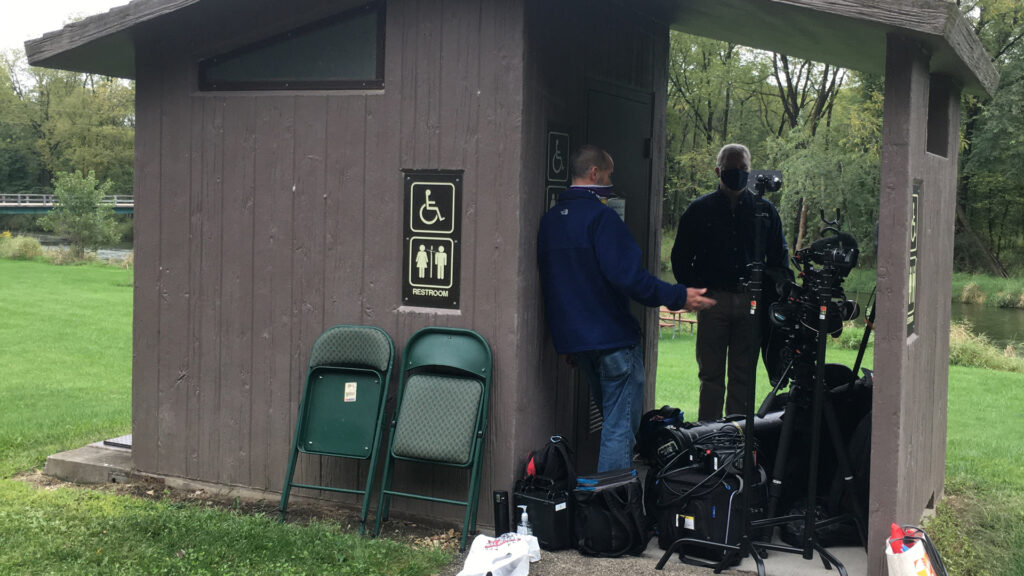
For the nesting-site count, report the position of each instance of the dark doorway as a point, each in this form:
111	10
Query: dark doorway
620	120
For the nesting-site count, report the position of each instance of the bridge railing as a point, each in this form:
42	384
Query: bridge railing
50	200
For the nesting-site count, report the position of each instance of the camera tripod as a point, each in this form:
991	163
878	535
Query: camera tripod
747	546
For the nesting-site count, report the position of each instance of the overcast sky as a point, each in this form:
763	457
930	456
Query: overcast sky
22	20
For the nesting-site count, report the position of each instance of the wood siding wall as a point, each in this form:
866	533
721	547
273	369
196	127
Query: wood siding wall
911	377
264	218
568	44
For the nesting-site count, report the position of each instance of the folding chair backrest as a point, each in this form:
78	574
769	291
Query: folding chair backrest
365	346
349	368
448	348
442	408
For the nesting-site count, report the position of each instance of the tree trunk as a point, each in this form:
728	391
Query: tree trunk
993	262
802	226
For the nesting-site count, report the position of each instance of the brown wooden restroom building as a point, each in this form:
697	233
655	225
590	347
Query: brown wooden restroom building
271	140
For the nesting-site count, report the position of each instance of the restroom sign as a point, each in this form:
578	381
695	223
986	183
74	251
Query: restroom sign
431	260
915	200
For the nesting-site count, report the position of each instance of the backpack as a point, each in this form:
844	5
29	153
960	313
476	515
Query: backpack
551	468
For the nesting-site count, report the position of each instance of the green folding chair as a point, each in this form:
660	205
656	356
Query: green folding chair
342	405
441	413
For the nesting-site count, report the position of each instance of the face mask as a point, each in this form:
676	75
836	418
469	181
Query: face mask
734	178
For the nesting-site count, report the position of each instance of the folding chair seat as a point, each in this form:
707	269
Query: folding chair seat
441	414
342	404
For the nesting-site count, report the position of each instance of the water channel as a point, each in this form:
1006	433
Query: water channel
1002	326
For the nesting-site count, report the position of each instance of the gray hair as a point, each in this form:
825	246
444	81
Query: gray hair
732	151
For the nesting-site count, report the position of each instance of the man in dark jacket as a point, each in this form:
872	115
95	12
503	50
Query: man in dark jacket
590	267
714	247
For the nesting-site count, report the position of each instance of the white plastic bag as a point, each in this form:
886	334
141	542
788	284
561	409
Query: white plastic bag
913	561
507	555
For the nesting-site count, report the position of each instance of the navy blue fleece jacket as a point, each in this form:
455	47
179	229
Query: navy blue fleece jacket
590	267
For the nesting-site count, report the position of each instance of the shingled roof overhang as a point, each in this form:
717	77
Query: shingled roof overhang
847	33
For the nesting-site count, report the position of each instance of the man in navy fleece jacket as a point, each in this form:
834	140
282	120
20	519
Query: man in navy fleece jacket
590	268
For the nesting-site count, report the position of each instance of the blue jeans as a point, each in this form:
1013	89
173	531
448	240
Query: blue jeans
617	386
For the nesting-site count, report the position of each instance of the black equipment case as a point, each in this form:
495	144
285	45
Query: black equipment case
693	503
550	513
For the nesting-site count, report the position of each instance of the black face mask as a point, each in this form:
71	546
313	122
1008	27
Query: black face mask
734	178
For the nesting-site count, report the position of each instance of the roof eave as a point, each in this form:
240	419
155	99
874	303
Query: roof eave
100	44
847	34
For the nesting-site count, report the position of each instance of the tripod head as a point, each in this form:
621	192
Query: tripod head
796	319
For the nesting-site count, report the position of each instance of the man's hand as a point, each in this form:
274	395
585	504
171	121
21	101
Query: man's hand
696	301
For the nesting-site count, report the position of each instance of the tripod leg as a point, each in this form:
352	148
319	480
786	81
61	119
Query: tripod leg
827	558
758	561
781	457
843	460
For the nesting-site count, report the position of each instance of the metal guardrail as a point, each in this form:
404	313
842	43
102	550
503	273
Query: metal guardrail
49	200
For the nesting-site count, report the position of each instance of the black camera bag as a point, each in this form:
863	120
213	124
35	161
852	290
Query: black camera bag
609	515
548	477
691	503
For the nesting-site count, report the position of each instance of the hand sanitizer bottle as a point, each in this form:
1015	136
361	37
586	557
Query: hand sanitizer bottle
524	527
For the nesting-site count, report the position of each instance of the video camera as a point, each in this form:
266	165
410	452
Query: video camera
794	318
767	181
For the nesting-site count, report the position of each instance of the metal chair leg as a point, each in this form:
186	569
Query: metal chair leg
287	488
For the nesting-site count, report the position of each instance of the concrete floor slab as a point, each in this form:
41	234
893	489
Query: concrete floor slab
92	464
572	563
97	464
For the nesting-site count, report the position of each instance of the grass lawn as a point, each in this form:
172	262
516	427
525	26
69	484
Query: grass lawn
65	380
979	526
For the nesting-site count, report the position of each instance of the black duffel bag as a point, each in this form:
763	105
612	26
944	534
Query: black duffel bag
609	515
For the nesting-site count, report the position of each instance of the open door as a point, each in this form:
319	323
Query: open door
621	121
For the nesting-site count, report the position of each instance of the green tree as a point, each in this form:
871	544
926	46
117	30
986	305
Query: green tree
20	164
79	214
58	121
989	220
85	122
716	94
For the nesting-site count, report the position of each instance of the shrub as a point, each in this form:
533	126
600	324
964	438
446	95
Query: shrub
67	256
852	334
1006	299
20	248
972	294
966	348
80	214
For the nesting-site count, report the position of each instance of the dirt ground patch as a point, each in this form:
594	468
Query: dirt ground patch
300	511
